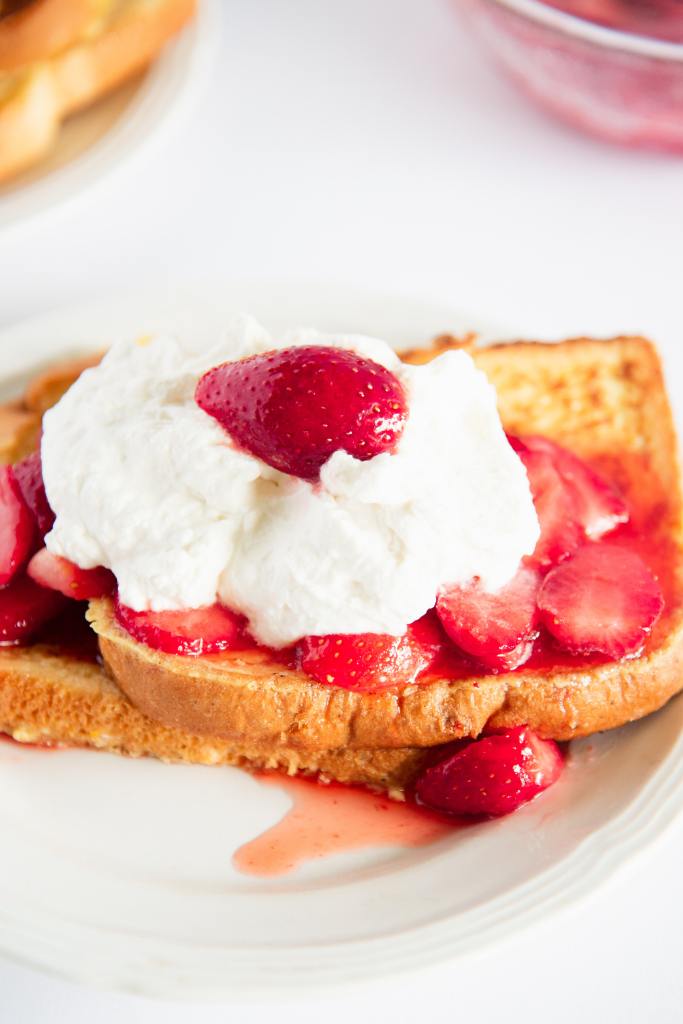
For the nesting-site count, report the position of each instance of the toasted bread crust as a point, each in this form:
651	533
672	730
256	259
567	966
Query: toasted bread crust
19	430
279	707
598	398
50	698
47	91
45	390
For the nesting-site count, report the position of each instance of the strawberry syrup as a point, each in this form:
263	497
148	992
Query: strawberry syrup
332	818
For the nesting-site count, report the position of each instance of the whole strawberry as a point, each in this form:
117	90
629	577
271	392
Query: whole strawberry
295	407
492	775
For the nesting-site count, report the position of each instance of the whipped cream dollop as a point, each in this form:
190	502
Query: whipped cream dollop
144	482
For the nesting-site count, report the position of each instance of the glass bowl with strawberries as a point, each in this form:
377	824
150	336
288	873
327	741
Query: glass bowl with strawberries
613	68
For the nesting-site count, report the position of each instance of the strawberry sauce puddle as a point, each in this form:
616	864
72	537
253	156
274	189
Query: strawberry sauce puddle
333	818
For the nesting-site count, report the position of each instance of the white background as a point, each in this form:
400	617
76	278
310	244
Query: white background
369	142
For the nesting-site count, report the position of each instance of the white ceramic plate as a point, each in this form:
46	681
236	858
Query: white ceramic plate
118	873
101	138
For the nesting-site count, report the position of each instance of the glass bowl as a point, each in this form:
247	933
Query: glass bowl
623	87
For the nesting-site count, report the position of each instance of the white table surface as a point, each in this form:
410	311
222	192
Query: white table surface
370	143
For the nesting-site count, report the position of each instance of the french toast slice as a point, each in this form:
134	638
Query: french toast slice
53	698
604	400
119	40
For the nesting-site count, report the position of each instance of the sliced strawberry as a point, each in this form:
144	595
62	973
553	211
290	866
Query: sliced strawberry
599	506
603	600
498	629
192	631
24	608
516	443
556	507
293	408
60	574
490	776
29	477
429	633
370	661
17	530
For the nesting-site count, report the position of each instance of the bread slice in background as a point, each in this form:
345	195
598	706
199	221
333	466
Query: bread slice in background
35	30
604	400
123	38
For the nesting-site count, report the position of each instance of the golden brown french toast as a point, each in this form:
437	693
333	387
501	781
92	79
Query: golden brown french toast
604	400
48	696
